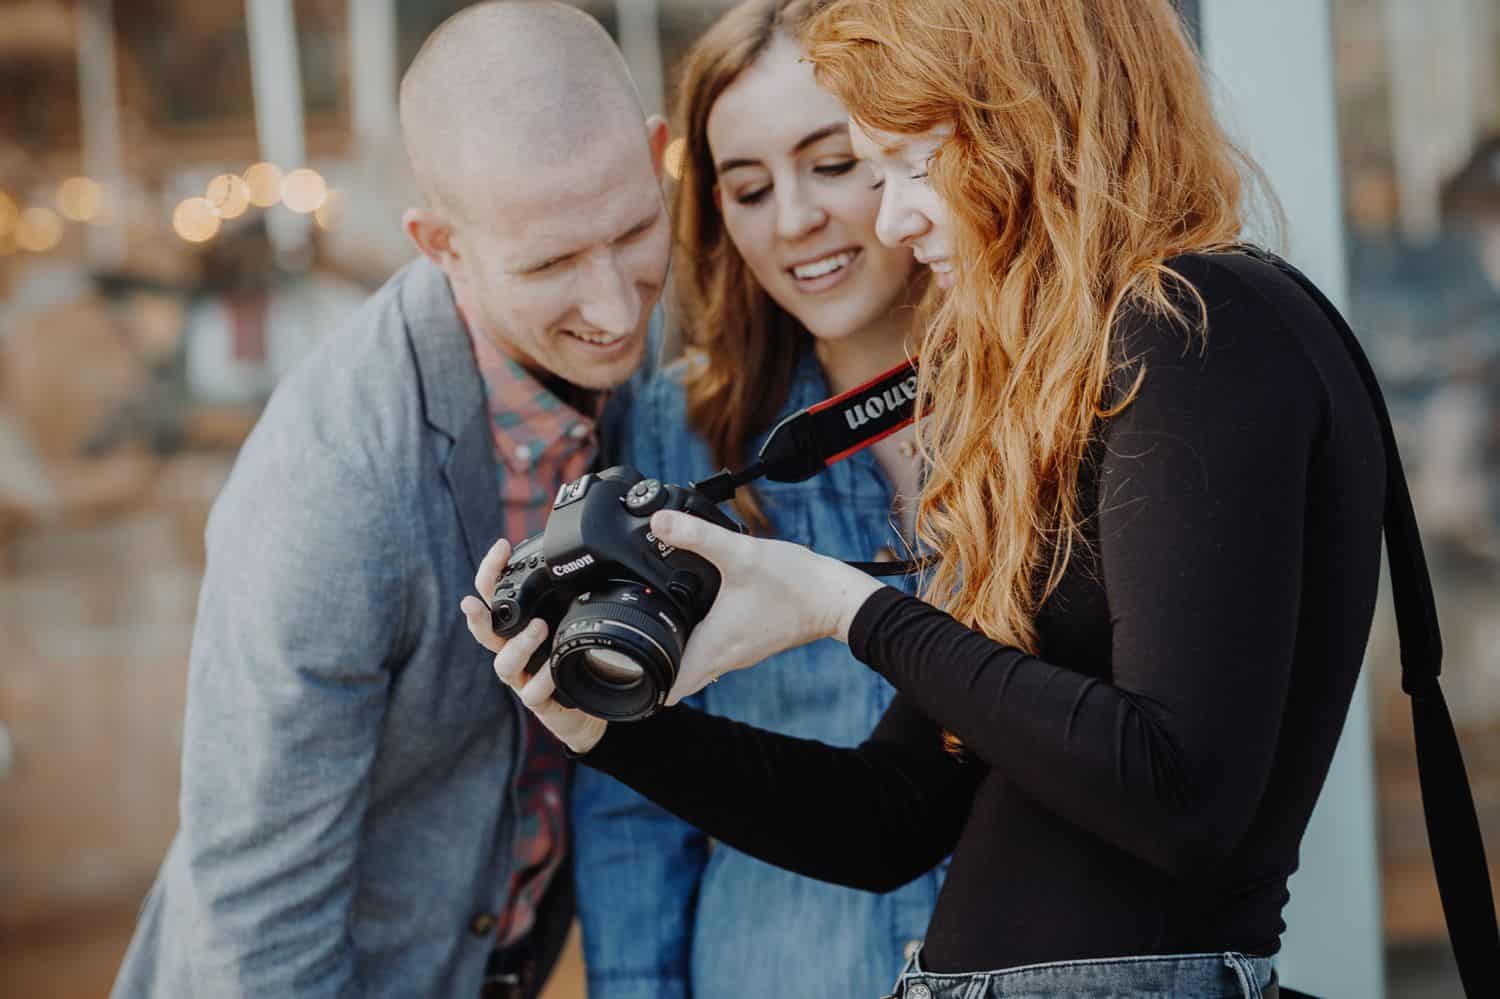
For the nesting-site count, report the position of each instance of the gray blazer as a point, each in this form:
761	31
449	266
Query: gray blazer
349	759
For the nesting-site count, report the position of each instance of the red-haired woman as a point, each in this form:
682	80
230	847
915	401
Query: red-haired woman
1154	497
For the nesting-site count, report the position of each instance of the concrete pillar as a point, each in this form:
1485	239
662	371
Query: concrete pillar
372	62
276	79
99	99
1272	67
640	40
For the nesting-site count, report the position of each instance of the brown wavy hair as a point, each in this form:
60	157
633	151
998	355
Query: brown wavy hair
742	346
1084	154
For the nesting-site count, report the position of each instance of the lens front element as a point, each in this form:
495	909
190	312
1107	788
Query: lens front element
618	650
609	666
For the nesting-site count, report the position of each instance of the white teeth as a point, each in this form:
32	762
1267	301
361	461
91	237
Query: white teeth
816	269
599	339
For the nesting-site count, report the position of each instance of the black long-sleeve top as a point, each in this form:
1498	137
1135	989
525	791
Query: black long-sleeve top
1139	786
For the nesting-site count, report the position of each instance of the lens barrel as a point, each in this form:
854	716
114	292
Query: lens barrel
618	650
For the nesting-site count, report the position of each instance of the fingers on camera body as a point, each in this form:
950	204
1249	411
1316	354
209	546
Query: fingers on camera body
513	655
490	568
481	626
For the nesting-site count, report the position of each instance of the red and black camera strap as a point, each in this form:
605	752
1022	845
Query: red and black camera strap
811	439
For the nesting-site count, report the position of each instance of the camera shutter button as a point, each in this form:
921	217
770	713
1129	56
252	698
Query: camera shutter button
646	497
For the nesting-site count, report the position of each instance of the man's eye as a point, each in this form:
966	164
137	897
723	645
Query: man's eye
754	197
635	234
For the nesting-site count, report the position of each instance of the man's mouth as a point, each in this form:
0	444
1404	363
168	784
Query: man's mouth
823	266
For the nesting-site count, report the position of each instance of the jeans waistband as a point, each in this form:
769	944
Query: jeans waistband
1189	976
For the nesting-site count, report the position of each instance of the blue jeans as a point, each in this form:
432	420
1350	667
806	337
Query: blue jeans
1179	976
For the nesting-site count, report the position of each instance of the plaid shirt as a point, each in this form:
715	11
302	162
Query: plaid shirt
540	443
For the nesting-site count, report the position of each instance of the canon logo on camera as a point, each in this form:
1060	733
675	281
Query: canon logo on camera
573	566
876	406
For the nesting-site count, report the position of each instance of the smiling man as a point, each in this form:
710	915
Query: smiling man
364	810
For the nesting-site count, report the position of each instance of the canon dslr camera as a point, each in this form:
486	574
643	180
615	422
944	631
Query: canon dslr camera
619	603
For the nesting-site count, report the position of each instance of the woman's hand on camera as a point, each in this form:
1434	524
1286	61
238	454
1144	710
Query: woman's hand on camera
774	596
578	731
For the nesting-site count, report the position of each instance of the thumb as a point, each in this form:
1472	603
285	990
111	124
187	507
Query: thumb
695	534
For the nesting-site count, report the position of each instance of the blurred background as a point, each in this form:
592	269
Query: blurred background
192	193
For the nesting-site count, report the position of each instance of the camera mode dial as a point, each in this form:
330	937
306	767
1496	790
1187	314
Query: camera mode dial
646	497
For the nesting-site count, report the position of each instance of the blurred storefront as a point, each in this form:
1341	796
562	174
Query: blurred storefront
1418	87
192	193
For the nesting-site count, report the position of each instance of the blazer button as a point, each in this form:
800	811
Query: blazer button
482	925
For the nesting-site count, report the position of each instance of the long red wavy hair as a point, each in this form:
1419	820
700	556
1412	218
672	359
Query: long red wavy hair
1084	154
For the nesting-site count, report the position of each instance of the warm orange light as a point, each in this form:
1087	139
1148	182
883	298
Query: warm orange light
303	190
38	230
330	213
195	220
672	158
81	199
229	194
8	214
264	183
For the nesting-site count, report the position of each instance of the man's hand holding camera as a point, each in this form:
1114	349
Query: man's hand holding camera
578	731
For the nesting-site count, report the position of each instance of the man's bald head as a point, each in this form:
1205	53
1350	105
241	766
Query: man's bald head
515	85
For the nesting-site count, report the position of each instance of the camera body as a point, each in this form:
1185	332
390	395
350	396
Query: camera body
618	601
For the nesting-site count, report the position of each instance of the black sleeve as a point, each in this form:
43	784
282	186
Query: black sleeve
1202	487
872	817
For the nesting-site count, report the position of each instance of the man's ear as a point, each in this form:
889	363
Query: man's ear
432	235
657	136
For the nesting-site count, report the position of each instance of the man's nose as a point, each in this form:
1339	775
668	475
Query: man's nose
897	223
611	301
796	214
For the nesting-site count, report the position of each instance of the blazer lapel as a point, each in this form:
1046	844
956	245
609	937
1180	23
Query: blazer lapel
453	397
471	474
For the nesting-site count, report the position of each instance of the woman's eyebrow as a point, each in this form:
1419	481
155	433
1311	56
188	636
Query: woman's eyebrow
816	135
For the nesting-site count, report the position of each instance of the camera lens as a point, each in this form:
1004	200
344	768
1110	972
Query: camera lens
609	666
618	650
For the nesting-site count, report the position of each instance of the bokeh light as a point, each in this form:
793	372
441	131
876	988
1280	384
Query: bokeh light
303	190
330	213
38	230
80	199
229	194
672	158
195	220
264	183
8	214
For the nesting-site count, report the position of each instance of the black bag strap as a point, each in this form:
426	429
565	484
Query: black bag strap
1458	859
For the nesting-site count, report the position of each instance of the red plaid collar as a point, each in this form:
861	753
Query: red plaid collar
529	421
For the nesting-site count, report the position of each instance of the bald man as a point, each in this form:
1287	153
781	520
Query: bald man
364	810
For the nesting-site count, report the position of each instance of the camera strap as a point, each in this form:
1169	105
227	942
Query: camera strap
811	439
